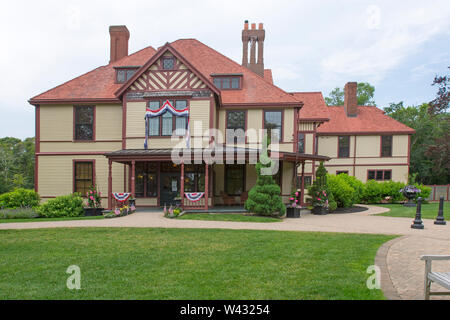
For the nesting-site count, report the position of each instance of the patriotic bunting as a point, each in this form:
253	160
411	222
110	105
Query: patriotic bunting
121	197
194	196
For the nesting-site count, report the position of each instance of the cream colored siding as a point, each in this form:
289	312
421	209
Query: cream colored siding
56	122
309	141
199	117
135	119
327	146
288	123
399	173
368	146
79	146
108	122
255	119
146	202
400	145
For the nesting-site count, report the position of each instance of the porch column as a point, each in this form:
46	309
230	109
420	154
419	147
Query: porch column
133	185
109	185
206	185
182	185
302	195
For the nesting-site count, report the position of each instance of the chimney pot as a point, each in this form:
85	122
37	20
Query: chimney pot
260	27
119	42
350	99
253	26
246	25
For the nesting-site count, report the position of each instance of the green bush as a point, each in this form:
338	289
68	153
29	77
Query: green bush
357	185
376	192
332	205
343	193
20	198
19	213
62	206
424	191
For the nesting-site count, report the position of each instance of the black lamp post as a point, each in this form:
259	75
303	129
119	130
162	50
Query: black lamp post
440	218
418	220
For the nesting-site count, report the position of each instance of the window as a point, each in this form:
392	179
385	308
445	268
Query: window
379	175
344	147
123	74
386	146
308	181
168	63
194	178
227	82
301	143
84	123
342	172
234	179
146	179
235	121
166	124
273	124
83	176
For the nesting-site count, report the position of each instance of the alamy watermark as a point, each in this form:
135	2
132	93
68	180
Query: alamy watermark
74	280
374	280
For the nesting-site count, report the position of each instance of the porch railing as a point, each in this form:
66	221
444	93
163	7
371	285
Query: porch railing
191	204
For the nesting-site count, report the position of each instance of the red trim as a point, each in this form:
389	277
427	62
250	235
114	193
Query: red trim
409	152
207	186
381	145
262	104
124	122
362	133
74	161
383	170
133	179
109	184
79	141
37	148
338	147
354	158
245	123
367	165
72	101
282	122
82	153
93	123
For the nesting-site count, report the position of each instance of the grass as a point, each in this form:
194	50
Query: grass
147	263
40	219
429	210
227	217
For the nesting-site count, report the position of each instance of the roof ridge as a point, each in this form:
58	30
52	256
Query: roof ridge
237	64
130	55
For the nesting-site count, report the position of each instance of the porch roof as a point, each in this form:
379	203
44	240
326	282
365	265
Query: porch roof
127	155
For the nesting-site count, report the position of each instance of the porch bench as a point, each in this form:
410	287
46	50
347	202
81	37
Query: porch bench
441	278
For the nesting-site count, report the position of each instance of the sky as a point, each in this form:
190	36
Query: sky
397	46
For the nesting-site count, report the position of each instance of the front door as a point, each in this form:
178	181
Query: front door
170	188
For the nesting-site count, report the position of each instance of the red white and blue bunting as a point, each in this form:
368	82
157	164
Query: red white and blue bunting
194	196
121	197
166	107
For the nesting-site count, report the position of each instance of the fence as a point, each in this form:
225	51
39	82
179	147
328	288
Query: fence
439	191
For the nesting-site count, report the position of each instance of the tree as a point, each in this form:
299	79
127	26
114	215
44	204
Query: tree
442	101
264	198
364	93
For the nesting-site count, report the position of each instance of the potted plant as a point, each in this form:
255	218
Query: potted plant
94	202
320	202
410	193
293	209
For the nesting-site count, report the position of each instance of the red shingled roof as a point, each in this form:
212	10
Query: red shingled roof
255	89
98	84
314	107
268	75
368	120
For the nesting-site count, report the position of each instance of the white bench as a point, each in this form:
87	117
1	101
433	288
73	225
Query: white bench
441	278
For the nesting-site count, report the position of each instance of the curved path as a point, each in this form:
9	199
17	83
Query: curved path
399	260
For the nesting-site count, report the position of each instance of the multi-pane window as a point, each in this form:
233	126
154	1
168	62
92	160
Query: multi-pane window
386	146
379	175
307	179
236	126
301	143
168	63
234	179
227	82
342	172
146	180
84	123
344	146
166	124
83	176
124	75
194	178
273	124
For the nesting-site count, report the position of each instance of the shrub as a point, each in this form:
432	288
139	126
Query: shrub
20	198
424	191
377	192
62	206
357	185
19	213
343	193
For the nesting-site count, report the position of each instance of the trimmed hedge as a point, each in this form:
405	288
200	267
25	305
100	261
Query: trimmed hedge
62	206
342	191
20	198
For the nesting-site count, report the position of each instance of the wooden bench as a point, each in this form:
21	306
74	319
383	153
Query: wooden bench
441	278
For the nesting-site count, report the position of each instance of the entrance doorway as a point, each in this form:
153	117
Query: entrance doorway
170	188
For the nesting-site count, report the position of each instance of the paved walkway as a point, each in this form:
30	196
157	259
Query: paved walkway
405	270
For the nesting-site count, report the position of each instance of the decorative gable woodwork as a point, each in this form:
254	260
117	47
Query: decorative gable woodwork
157	78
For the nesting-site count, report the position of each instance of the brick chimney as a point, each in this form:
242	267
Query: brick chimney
119	42
350	99
253	36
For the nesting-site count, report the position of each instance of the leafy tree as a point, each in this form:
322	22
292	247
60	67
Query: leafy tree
364	93
442	101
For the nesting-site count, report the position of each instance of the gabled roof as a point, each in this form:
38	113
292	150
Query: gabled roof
268	75
314	107
255	89
369	120
96	85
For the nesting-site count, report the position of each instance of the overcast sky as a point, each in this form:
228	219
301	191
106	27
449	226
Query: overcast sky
397	46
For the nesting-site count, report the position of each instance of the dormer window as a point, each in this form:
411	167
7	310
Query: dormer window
123	74
227	82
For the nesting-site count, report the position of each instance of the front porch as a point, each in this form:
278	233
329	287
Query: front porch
196	184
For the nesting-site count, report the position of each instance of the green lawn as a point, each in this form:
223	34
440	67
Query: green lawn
227	217
49	219
145	263
429	210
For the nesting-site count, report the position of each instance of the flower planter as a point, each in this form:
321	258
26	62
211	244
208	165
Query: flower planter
320	210
292	212
93	211
410	193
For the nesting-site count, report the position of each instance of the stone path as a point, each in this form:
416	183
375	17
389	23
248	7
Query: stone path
403	267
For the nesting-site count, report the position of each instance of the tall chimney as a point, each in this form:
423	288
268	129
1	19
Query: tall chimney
119	42
254	37
350	99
